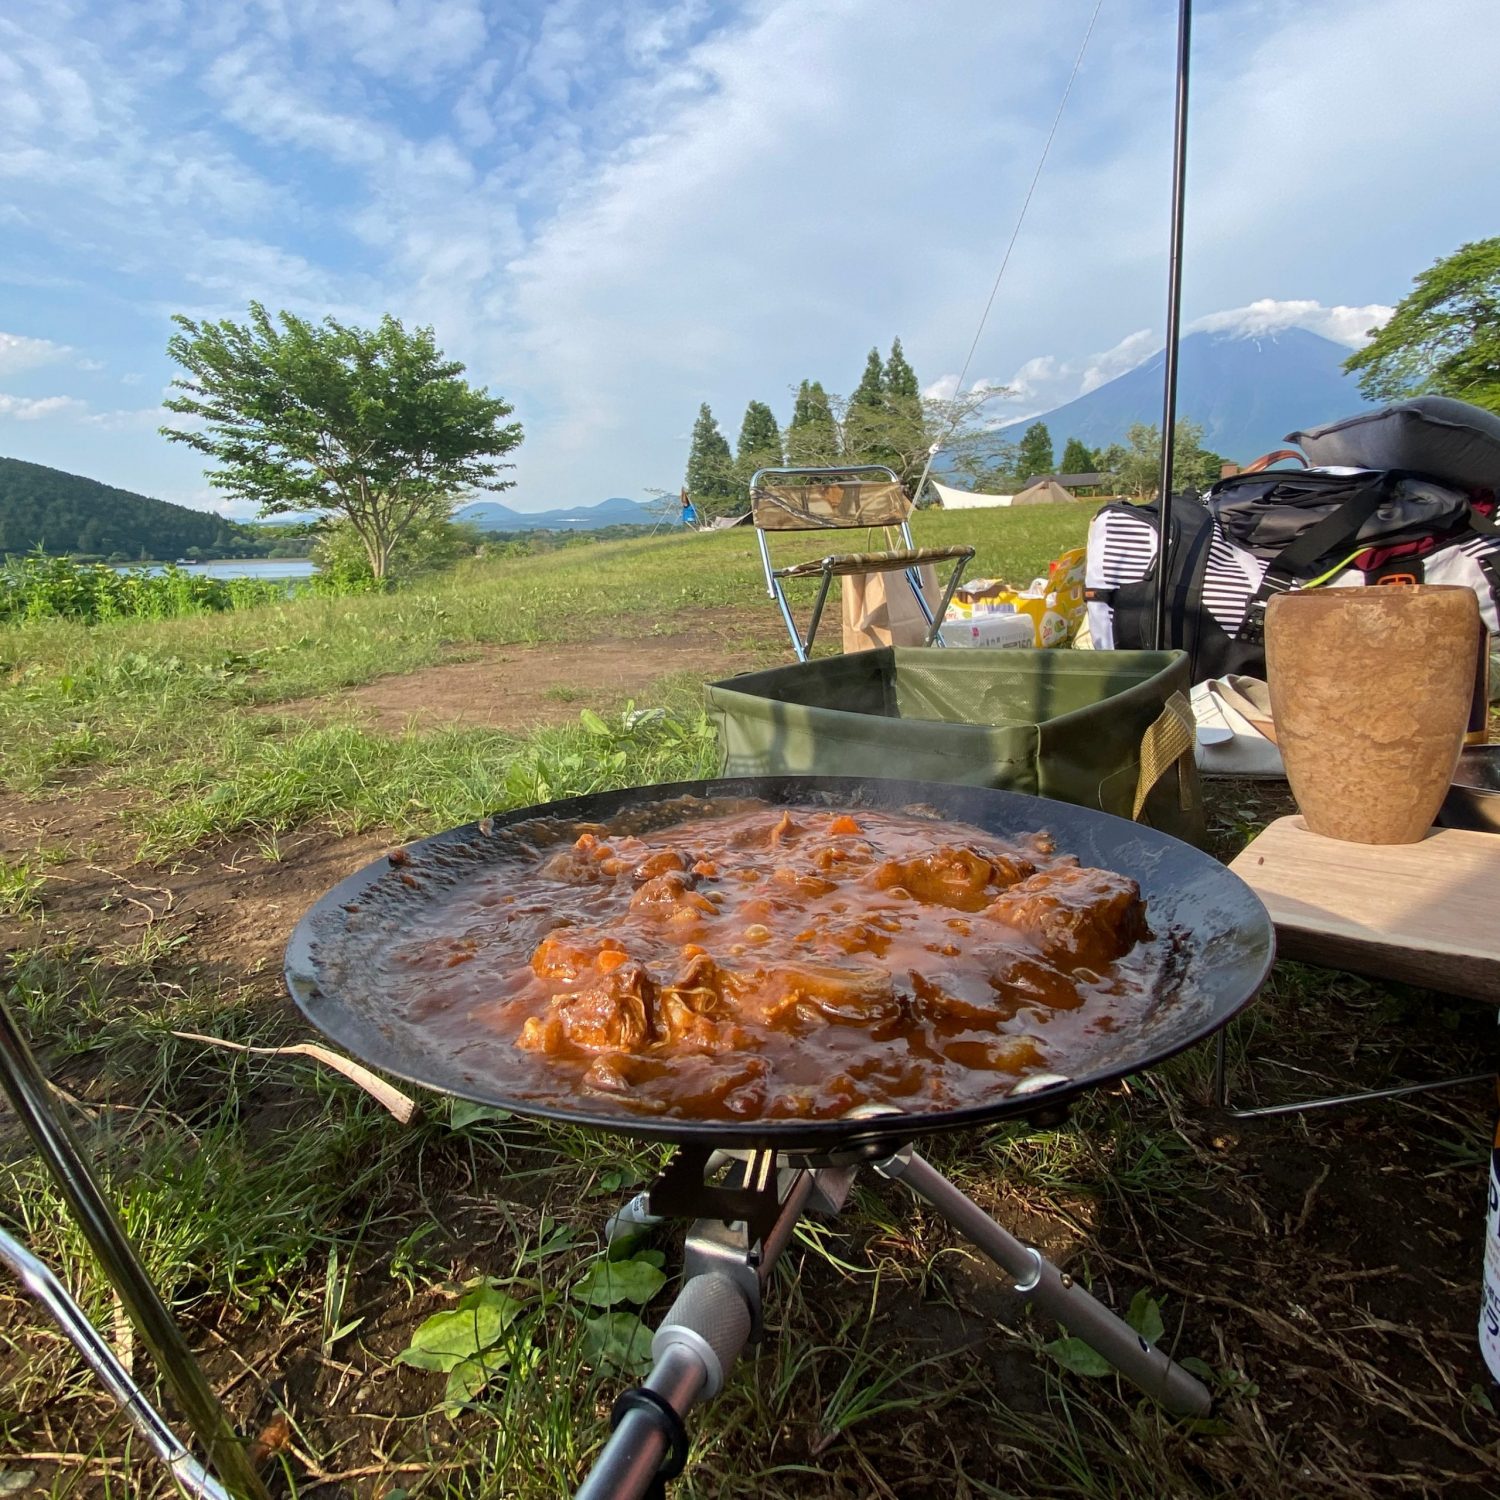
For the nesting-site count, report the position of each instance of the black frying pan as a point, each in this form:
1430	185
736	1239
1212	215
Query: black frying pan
332	961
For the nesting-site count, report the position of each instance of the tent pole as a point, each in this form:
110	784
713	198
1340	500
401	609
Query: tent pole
1174	310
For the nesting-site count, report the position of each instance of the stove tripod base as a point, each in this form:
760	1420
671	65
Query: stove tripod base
727	1265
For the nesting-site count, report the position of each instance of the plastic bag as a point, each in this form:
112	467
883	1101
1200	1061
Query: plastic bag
1054	604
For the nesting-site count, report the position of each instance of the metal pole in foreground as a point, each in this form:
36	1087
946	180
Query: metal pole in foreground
1174	312
58	1148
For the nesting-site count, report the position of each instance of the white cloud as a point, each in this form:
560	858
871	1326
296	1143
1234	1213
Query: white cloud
1133	349
1351	326
17	353
614	212
142	418
37	409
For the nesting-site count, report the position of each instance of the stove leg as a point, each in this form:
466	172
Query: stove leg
1056	1293
702	1336
38	1279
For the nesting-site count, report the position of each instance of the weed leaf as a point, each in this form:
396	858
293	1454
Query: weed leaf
594	724
470	1376
612	1281
446	1339
1145	1316
617	1342
1076	1357
464	1112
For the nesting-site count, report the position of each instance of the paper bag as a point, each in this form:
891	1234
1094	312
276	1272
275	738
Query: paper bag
880	609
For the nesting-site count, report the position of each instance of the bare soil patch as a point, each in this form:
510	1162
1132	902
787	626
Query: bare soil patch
230	908
522	687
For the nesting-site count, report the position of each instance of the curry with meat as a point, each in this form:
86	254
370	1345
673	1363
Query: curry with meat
771	963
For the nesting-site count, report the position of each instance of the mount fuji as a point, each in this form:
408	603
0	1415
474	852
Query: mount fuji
1246	391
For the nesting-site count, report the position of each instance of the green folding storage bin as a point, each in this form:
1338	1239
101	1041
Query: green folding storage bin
1105	729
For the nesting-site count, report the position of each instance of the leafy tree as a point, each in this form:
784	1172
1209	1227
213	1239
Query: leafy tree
904	438
1078	457
371	424
1444	337
430	544
759	445
988	463
1136	467
710	466
813	436
1034	455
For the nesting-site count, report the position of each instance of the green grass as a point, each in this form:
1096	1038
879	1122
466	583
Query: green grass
134	697
20	887
411	783
38	587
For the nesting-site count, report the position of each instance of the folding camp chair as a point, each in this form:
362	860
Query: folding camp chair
841	499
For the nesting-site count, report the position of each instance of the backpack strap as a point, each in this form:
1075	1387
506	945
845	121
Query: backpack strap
1256	465
1337	529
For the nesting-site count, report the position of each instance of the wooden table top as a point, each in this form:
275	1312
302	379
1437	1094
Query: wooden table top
1425	913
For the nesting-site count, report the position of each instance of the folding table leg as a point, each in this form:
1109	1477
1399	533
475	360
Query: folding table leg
1265	1111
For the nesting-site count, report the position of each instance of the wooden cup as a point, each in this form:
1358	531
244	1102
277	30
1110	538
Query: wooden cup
1370	691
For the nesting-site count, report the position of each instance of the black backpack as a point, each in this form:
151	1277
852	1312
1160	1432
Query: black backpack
1300	528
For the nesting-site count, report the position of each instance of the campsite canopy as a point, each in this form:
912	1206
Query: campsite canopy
953	499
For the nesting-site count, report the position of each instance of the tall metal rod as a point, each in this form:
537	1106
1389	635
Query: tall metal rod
60	1152
1174	312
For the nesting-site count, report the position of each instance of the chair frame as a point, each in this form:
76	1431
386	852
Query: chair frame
828	568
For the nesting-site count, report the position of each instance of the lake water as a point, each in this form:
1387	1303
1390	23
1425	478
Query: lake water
272	569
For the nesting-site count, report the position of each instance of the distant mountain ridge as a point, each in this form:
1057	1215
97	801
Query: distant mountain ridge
63	513
1246	391
490	515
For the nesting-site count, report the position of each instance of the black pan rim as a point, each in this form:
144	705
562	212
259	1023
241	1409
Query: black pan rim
870	1133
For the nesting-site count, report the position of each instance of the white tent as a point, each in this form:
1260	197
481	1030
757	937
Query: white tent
967	499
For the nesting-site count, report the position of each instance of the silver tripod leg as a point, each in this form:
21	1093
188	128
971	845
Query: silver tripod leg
1056	1293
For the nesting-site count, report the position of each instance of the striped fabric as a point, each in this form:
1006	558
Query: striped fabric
1122	549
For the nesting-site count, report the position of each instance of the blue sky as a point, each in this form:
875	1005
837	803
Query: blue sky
614	211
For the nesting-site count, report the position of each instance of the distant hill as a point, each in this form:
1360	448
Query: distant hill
490	515
1247	392
62	513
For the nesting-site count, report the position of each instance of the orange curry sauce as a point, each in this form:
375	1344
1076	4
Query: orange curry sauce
778	964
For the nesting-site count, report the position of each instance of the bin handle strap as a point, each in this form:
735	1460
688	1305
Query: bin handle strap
1169	740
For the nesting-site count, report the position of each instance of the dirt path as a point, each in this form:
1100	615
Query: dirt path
231	907
519	687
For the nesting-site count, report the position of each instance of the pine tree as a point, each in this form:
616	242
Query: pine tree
906	431
865	422
710	466
900	379
871	388
1077	457
1034	456
813	437
760	443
